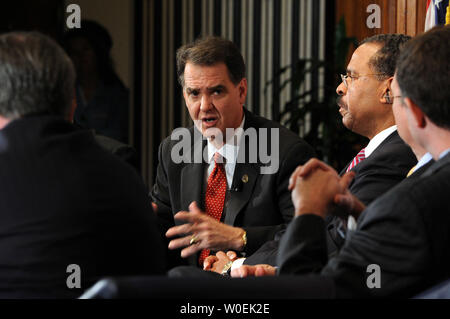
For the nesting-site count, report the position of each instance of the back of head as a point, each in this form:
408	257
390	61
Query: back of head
384	61
36	76
423	74
210	51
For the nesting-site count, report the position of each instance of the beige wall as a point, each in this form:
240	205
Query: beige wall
117	17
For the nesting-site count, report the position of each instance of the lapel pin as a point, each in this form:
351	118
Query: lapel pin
245	178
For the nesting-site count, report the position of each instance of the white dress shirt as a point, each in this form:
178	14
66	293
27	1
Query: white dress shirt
229	151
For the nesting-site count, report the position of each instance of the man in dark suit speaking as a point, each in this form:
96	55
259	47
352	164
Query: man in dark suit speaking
231	169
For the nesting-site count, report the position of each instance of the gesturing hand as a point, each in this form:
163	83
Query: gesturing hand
203	232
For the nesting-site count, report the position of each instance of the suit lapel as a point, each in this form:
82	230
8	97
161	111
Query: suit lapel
244	177
389	139
244	180
192	177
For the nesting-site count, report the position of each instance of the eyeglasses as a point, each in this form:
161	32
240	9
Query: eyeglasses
345	77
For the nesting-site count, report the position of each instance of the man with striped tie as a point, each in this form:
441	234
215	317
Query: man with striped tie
365	103
402	238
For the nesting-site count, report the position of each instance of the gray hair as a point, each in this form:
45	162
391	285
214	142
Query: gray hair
36	76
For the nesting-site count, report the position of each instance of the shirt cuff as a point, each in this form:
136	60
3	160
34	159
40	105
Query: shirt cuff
351	223
237	263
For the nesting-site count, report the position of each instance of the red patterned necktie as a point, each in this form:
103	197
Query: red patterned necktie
215	196
361	156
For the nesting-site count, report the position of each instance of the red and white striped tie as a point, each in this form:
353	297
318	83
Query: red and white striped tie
361	156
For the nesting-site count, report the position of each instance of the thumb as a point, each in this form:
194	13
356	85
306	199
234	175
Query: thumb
232	255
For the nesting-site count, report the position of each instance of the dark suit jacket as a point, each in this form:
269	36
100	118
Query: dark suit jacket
262	206
388	165
405	232
64	200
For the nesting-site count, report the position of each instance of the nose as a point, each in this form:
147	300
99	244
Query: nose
206	103
341	89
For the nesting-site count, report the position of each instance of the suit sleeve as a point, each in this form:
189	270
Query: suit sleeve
268	237
391	238
160	194
303	247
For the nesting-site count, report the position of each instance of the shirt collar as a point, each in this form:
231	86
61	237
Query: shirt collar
444	153
230	150
423	160
378	139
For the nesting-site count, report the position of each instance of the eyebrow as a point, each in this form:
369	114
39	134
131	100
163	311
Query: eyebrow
190	90
210	89
350	71
217	87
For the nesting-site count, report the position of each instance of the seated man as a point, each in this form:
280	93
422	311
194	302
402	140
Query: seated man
400	245
365	103
70	212
233	164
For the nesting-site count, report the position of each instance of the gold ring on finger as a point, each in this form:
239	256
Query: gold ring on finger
194	240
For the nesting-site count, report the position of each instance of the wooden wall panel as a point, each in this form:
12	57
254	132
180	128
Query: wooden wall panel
421	14
401	16
411	20
397	16
355	14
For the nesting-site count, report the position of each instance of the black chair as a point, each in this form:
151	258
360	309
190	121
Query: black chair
159	287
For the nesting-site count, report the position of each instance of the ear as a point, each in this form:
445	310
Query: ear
416	113
242	91
386	93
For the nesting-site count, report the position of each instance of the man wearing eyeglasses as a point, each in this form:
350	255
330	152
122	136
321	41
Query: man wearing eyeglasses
365	101
365	104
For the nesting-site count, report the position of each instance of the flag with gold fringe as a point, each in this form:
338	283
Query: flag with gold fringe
438	13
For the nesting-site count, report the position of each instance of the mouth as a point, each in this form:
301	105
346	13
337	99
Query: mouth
342	106
209	121
342	112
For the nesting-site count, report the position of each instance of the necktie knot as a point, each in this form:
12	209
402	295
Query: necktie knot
218	158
